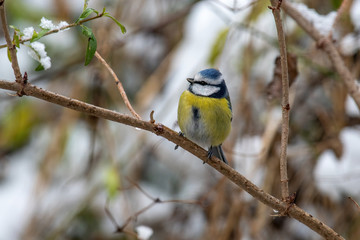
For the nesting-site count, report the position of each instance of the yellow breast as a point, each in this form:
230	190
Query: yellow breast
204	120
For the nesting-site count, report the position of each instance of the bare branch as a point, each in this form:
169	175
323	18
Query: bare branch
10	45
159	129
119	86
284	181
140	189
327	45
356	204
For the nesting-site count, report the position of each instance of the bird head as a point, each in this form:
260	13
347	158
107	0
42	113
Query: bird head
209	83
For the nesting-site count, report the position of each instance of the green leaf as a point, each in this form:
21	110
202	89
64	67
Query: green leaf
112	182
16	40
39	68
123	29
8	54
15	28
86	31
85	14
218	46
36	36
336	4
86	2
92	44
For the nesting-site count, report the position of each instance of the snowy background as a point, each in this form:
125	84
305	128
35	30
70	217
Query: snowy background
59	169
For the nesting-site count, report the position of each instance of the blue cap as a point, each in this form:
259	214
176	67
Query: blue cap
210	73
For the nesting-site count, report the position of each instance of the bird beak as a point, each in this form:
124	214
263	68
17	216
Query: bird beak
190	80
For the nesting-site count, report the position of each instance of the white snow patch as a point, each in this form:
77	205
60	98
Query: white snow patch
38	53
323	23
144	232
350	44
355	14
28	32
337	177
47	24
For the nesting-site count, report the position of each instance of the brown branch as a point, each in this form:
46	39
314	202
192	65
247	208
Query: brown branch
158	200
161	130
9	44
327	45
119	86
284	181
356	204
140	189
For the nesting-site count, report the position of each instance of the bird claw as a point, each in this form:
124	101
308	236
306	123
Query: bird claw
209	154
182	135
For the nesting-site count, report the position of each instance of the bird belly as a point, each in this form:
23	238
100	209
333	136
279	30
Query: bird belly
204	120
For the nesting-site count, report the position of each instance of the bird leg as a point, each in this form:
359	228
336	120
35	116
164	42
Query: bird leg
182	135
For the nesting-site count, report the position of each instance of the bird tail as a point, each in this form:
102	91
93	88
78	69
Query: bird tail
218	152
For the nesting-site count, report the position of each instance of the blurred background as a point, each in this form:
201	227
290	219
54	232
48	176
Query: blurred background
66	175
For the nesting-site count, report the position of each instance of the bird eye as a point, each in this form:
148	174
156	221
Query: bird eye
202	83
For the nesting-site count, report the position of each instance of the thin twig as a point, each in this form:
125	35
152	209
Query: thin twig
158	200
141	211
9	44
158	129
341	13
61	29
111	217
119	86
284	181
327	45
135	215
356	204
140	189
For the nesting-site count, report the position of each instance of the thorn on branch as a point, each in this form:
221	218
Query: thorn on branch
25	78
152	120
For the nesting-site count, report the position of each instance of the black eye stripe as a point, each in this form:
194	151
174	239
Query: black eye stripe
205	83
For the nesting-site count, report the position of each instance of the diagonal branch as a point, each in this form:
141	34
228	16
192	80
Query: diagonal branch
282	207
119	86
327	45
284	181
10	45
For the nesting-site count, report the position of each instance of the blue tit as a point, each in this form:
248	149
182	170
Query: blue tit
204	111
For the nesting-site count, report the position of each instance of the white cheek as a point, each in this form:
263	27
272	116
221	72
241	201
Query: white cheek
204	90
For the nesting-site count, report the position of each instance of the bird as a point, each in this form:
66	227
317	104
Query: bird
205	113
